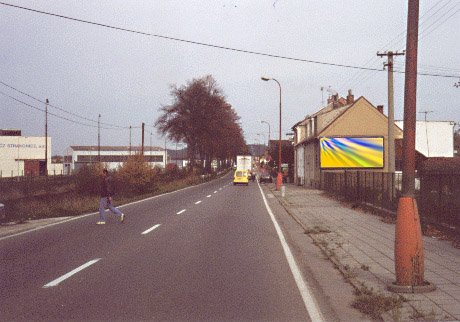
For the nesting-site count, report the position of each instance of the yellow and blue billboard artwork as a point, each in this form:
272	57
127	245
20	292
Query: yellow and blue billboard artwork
351	152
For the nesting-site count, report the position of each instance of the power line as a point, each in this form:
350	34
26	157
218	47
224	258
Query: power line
356	77
430	67
61	109
58	116
207	44
443	21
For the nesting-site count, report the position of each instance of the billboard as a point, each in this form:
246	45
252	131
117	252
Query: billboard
351	152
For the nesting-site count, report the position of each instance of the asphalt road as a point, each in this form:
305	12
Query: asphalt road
207	253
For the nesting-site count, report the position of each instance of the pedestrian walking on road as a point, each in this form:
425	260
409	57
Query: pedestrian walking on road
106	198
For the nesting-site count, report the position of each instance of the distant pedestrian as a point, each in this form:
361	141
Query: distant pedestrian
106	198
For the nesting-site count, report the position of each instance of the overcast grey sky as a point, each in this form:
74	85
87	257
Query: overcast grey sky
89	70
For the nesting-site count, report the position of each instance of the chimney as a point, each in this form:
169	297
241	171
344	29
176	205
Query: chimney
350	97
380	108
335	100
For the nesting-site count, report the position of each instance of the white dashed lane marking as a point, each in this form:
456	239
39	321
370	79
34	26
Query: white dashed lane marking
69	274
150	229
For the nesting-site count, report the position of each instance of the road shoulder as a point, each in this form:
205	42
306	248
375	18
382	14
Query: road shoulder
15	228
333	295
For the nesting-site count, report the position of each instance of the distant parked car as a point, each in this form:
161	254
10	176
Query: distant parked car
265	177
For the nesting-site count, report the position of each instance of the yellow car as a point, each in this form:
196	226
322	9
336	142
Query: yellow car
241	177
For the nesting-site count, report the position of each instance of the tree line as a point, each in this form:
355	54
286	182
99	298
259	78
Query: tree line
201	117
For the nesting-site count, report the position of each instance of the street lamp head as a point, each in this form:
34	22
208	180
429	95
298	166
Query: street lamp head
265	78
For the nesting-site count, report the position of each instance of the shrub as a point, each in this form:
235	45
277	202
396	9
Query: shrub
87	179
136	176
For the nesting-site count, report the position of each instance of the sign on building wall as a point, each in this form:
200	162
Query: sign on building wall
22	155
351	152
33	147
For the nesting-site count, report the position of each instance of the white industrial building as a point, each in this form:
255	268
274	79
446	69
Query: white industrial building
23	155
433	138
112	156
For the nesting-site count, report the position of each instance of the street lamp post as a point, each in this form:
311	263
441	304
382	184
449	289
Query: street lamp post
258	150
279	179
268	130
268	142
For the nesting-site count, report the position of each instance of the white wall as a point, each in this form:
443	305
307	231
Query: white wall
110	165
433	138
16	148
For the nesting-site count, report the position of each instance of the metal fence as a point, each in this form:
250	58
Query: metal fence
438	195
380	189
12	187
22	173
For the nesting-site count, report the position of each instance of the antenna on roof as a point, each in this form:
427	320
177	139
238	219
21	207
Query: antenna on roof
322	97
426	112
332	91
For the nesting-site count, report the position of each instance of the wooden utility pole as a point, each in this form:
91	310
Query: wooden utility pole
46	137
391	112
143	127
99	138
409	260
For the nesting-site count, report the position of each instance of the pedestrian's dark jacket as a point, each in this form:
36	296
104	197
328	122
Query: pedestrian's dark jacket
106	187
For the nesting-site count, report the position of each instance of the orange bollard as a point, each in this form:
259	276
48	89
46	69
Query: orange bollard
408	244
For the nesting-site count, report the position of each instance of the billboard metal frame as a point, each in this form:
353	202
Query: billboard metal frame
352	168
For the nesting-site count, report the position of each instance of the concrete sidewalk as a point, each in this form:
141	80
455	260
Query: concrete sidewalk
362	247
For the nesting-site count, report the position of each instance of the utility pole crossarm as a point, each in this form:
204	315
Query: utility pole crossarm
390	55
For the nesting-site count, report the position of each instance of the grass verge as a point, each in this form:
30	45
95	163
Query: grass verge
72	203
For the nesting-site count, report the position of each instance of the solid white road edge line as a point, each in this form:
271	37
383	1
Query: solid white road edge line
150	229
309	301
180	212
69	274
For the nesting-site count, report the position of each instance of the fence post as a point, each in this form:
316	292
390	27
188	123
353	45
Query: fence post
358	183
373	189
383	188
393	190
346	185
